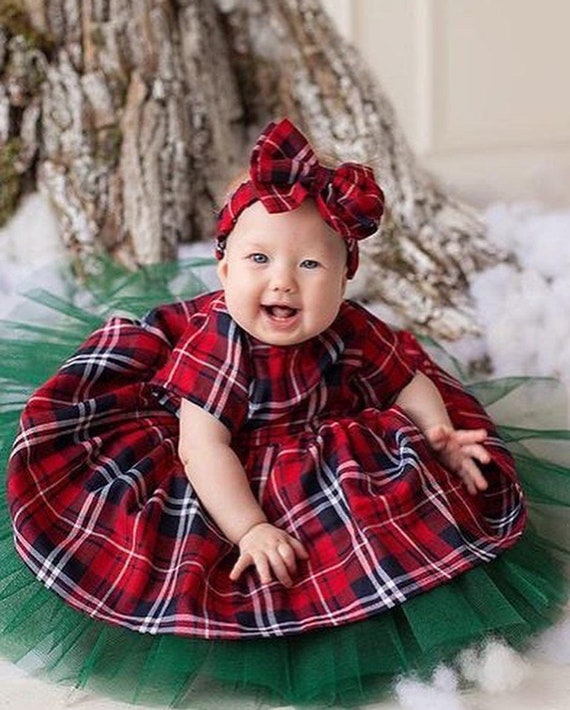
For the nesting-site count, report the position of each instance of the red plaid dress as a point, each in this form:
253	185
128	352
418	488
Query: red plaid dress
104	515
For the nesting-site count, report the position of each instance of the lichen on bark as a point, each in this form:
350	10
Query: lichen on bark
10	180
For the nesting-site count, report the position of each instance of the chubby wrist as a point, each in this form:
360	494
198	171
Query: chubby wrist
246	528
436	428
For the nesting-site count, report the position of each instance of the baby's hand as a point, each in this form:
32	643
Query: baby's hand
272	551
458	450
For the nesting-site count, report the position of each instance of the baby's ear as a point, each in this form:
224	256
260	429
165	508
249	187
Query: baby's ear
344	281
223	269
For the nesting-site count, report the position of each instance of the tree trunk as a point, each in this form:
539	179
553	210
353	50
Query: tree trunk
133	114
133	121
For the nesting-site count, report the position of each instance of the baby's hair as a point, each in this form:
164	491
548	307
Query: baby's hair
328	160
234	183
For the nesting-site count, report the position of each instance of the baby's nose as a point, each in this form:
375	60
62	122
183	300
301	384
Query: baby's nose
283	280
283	287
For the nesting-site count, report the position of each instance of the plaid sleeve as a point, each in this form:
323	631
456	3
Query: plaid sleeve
385	371
208	368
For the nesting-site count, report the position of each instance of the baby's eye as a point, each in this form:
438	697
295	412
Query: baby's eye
310	264
258	258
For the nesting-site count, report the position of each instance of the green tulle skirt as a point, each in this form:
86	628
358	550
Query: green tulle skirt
513	598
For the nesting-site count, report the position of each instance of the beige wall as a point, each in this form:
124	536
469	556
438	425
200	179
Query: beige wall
481	87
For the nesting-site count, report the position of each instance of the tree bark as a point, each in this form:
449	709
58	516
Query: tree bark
133	119
23	62
131	115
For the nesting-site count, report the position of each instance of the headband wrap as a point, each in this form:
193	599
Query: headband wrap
284	171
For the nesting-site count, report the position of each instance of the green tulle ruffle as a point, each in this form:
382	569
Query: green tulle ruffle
512	598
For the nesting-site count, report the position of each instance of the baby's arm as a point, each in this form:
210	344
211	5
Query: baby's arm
459	449
220	482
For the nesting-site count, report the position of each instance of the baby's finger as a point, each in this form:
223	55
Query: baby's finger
477	452
243	562
473	478
470	436
299	549
287	554
279	568
467	482
470	485
263	568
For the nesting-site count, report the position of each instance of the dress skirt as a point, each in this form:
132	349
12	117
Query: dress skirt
509	582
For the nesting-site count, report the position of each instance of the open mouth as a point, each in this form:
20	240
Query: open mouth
280	312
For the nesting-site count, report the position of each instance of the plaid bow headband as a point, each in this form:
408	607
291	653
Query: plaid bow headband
284	171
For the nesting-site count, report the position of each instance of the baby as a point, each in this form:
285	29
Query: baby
284	271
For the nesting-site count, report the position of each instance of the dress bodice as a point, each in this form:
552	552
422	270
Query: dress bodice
247	384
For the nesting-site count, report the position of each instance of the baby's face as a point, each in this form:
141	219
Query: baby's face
284	275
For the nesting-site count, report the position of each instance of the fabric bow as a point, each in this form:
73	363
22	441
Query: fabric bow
284	171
